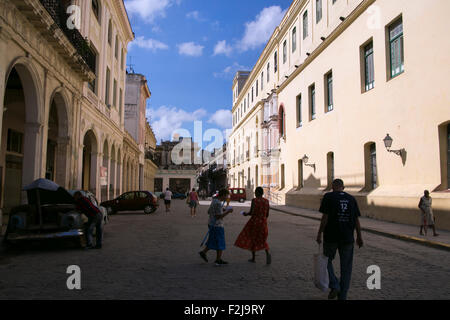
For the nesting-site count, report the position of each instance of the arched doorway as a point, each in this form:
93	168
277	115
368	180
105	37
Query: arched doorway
57	142
20	153
112	169
89	172
105	172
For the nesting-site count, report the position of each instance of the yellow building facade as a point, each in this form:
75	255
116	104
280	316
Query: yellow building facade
345	75
62	71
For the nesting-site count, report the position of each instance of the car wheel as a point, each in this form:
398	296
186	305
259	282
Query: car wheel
148	209
241	200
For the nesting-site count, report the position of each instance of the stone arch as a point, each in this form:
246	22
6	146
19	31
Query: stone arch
58	138
21	143
112	172
90	161
104	174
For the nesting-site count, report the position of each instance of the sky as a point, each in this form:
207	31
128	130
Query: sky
189	51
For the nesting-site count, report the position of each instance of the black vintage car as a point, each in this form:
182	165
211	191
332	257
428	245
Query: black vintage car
49	214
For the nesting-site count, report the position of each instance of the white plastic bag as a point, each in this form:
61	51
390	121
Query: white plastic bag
321	279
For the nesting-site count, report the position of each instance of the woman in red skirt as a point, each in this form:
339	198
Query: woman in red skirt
254	235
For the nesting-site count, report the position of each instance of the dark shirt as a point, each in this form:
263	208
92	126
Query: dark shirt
87	207
342	211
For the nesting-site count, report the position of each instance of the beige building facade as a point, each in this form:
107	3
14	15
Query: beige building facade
346	76
61	96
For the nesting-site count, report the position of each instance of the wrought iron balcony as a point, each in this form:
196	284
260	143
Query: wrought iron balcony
57	10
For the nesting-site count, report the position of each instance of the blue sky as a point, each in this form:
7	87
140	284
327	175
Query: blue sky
189	51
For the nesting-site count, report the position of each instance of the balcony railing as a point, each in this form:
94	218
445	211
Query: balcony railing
57	10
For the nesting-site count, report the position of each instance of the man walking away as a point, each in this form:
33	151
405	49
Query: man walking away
94	216
339	221
167	199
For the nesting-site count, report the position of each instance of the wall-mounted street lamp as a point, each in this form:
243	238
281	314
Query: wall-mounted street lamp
305	160
388	143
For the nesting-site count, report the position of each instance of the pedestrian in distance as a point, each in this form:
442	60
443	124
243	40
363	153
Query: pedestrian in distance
426	214
193	202
94	215
254	235
216	233
339	220
167	199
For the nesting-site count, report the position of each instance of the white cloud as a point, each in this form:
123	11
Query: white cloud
190	49
258	31
230	71
222	118
193	15
222	48
167	120
150	44
149	10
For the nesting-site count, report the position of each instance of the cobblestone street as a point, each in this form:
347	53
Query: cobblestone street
156	257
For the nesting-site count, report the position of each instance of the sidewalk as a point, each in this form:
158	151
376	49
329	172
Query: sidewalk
384	228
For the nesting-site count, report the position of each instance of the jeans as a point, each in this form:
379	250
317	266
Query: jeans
346	260
94	223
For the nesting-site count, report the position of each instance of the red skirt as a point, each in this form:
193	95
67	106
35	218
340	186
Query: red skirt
254	235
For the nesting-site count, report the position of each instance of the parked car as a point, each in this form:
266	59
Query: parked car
177	195
238	194
49	214
93	199
132	201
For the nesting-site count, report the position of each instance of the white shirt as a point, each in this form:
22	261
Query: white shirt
168	195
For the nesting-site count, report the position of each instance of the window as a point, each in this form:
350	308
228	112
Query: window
122	54
110	32
257	87
305	25
329	91
252	94
282	122
275	63
334	1
108	76
96	9
262	81
116	48
282	177
120	102
284	51
92	85
318	10
396	48
294	39
14	142
256	176
115	93
312	102
268	72
369	71
248	99
299	111
245	106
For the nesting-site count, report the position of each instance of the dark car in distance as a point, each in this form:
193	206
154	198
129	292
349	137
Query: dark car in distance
132	201
178	195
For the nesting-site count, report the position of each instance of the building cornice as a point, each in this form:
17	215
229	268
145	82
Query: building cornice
328	41
124	19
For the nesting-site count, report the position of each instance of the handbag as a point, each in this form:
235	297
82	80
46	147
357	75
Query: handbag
321	278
